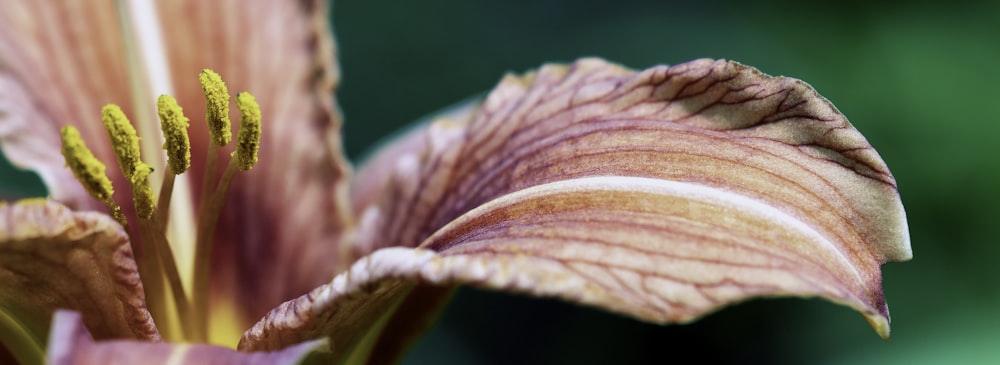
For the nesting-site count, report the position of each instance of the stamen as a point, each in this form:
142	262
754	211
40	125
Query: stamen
217	118
174	125
142	192
124	140
248	139
178	147
157	260
89	171
217	107
243	158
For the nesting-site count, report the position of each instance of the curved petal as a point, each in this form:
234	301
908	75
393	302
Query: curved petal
374	171
662	251
713	123
346	309
605	257
663	194
59	63
71	344
658	250
51	257
278	233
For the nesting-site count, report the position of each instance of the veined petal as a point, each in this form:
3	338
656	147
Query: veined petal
661	251
713	123
663	195
658	250
71	343
377	170
59	63
278	232
51	257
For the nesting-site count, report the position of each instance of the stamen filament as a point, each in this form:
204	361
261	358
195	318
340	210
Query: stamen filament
212	209
166	193
217	118
150	273
151	230
203	244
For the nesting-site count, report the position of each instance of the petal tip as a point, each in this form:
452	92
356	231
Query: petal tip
880	323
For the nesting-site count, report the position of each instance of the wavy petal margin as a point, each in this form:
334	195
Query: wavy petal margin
51	258
71	344
664	195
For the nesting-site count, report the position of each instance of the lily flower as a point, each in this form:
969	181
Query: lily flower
663	194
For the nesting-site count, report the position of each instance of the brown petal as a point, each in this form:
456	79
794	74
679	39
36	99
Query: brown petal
51	257
70	343
661	251
663	194
374	172
713	123
346	309
59	63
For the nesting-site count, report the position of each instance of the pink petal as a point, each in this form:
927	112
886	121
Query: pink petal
59	63
70	343
51	258
664	195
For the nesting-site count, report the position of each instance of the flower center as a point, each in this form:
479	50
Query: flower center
180	316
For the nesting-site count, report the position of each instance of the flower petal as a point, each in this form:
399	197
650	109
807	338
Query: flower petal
72	344
277	236
51	257
713	123
59	63
664	194
658	250
374	171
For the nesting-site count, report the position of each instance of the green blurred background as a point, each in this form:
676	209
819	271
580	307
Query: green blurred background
917	78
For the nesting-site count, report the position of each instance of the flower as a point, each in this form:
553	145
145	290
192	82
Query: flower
663	194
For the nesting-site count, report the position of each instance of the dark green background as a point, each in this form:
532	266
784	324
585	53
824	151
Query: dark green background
918	79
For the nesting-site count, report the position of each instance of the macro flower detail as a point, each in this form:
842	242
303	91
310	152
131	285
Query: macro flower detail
662	194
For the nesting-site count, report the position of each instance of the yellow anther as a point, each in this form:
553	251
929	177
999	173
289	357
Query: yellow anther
89	171
217	107
174	125
248	139
87	168
124	140
142	192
